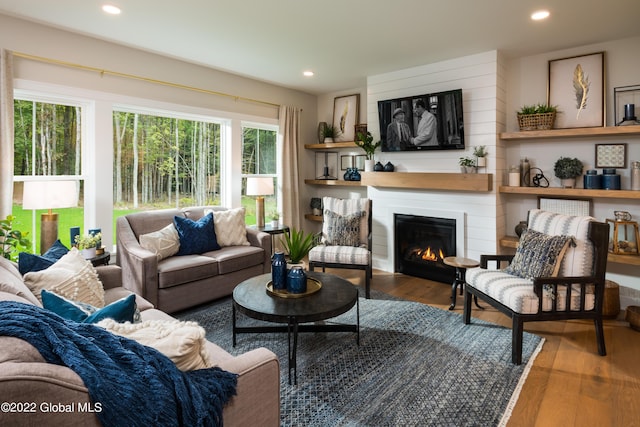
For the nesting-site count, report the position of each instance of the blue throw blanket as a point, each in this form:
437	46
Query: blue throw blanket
135	385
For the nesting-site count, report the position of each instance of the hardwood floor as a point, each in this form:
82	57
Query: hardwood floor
569	383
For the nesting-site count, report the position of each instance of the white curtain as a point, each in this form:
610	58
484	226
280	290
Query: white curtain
289	118
6	133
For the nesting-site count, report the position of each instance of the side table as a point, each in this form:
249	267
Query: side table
461	264
102	259
268	228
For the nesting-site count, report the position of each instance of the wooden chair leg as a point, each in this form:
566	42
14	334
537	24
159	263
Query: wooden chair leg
367	282
602	350
466	315
516	340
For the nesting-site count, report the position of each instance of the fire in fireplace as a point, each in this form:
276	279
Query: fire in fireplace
422	243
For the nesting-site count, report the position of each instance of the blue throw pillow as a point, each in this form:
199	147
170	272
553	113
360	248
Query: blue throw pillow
196	237
122	310
32	262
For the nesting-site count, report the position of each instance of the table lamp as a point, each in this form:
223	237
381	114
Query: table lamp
49	195
259	186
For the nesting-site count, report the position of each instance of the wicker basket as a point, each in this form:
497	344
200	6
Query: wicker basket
542	121
633	317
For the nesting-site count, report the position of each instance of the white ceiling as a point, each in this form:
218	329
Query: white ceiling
342	41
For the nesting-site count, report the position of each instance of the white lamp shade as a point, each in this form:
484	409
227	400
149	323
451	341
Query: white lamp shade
49	194
259	186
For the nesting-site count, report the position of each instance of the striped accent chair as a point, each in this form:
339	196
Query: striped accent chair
345	241
546	280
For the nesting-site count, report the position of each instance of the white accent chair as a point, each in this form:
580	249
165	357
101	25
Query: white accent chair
575	292
346	237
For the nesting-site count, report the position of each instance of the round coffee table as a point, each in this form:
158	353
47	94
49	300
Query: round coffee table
336	296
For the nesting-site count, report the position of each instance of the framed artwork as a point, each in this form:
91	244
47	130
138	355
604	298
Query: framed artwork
345	116
361	128
359	162
575	207
346	162
327	165
576	88
625	100
611	155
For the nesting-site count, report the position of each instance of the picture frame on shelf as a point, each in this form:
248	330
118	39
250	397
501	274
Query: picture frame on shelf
611	156
358	161
327	165
346	116
360	128
624	96
576	88
346	162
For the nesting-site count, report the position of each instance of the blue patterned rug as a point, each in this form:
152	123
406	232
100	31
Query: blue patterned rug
416	365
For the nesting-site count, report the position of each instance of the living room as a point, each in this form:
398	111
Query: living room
494	87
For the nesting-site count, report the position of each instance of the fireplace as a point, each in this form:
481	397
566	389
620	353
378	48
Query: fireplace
421	244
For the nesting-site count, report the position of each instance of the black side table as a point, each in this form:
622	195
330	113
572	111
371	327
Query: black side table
102	259
268	228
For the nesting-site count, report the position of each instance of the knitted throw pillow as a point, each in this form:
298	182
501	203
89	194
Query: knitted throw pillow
538	255
164	242
342	230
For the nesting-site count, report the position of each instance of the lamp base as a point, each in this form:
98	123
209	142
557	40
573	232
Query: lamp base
48	231
260	211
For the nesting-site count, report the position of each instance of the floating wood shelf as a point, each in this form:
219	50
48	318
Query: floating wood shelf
574	192
572	133
336	182
429	181
311	217
512	242
330	145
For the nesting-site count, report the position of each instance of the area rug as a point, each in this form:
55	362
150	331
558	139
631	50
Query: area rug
415	365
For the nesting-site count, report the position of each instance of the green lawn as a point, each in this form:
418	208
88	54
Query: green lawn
73	217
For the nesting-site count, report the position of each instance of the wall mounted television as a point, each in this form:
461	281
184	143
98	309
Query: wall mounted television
442	126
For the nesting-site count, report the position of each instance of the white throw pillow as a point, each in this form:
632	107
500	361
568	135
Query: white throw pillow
72	277
164	242
231	229
182	342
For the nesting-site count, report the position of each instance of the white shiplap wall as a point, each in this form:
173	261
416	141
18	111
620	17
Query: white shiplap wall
480	79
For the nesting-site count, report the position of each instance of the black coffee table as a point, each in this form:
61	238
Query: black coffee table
336	296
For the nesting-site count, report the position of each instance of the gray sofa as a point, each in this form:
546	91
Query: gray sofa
25	377
180	282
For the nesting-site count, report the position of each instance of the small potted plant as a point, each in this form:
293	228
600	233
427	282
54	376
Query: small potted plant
537	117
568	169
88	244
275	218
297	245
365	141
467	165
330	133
480	151
11	241
316	206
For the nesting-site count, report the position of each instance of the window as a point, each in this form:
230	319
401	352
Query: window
259	157
48	142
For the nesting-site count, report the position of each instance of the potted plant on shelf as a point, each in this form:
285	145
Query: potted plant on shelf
467	165
316	206
365	141
568	169
11	241
88	244
537	117
330	133
480	151
297	245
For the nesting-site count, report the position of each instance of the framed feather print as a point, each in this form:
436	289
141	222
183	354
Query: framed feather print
576	88
345	116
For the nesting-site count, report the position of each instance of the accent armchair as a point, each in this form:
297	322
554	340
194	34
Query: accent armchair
346	237
557	273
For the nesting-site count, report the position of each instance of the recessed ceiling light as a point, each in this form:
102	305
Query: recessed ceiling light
308	73
111	9
541	14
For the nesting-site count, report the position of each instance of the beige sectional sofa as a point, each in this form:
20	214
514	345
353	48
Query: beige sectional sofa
26	378
178	282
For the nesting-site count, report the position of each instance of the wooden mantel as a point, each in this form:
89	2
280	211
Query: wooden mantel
429	181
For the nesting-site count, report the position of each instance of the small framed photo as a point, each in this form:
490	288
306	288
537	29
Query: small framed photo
327	165
346	116
624	107
611	156
361	128
346	162
576	88
359	162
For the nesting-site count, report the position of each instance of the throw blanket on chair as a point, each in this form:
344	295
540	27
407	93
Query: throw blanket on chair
136	385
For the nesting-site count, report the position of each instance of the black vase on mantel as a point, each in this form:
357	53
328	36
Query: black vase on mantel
378	167
522	225
389	167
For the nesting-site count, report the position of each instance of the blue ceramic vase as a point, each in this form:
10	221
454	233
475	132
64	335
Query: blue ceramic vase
297	281
278	271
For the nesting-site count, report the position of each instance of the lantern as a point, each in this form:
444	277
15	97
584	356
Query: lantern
623	237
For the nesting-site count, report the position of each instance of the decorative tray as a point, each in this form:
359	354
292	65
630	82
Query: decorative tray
313	286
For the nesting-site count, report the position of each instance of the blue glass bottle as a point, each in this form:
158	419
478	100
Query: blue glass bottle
297	280
278	271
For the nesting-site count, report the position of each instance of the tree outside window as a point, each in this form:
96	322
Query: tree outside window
259	157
